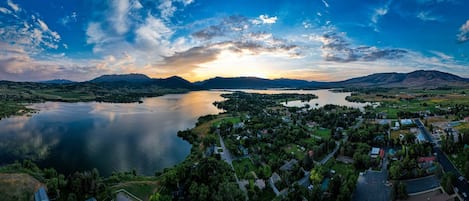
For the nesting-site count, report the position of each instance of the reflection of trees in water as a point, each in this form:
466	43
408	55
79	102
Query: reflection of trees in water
20	142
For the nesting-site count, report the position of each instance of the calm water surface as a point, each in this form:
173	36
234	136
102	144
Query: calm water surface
108	136
118	137
324	97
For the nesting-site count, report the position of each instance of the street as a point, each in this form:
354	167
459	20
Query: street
463	187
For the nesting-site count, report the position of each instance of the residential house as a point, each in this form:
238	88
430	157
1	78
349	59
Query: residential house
41	195
374	152
289	165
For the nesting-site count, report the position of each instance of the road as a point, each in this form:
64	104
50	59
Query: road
226	156
463	187
372	186
422	184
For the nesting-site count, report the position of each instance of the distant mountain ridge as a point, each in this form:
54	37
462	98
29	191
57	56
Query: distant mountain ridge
415	79
131	78
251	83
57	81
420	78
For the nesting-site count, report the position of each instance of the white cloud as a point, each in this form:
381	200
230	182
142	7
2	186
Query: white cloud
27	31
427	16
463	35
442	55
13	6
136	4
68	19
264	19
46	29
94	33
154	35
167	9
325	3
118	18
5	10
378	13
186	2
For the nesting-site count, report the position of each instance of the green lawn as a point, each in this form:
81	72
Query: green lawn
243	167
458	160
323	132
141	189
341	168
463	127
233	120
266	195
293	149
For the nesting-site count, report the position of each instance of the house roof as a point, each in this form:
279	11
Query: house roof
375	151
406	121
288	165
426	159
41	195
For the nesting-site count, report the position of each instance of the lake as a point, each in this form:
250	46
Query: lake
118	137
325	97
107	136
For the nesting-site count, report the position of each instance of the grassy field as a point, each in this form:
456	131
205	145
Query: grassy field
395	134
18	186
141	189
322	132
293	149
233	120
458	160
341	168
243	167
463	127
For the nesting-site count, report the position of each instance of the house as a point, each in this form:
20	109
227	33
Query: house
41	195
406	122
384	121
91	199
466	119
374	152
244	151
260	183
275	178
289	165
426	162
238	125
421	138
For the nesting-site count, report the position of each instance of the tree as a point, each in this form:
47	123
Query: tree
317	174
399	190
159	197
447	182
466	169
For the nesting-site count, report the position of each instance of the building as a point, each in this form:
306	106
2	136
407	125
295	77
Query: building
41	195
421	138
375	152
406	122
260	183
289	165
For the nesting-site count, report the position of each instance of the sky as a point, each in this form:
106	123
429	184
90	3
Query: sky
322	40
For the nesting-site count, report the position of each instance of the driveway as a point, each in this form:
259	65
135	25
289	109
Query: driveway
422	184
371	186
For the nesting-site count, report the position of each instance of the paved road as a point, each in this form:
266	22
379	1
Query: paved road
462	186
372	185
422	184
229	159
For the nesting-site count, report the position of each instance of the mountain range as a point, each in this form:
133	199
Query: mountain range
415	79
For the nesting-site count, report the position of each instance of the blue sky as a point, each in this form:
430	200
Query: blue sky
196	39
